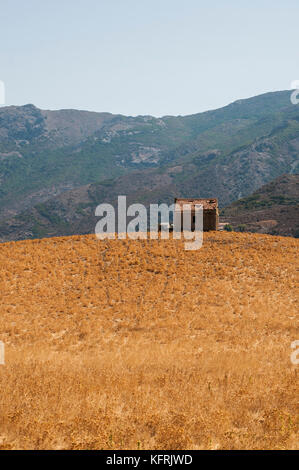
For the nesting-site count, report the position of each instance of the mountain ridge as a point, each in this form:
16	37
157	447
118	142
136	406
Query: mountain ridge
272	209
48	159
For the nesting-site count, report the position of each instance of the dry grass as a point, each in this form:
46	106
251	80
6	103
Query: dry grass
141	344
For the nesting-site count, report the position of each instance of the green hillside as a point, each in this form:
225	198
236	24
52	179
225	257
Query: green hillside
44	153
273	209
57	166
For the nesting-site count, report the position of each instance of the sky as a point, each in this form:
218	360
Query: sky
148	57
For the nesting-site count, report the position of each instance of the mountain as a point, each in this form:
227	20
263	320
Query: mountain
273	209
57	166
44	153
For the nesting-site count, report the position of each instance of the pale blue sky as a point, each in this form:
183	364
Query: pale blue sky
154	57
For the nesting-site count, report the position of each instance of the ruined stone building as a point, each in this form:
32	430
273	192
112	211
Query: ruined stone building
210	212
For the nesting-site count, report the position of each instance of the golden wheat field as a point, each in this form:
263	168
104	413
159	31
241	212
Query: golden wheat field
140	344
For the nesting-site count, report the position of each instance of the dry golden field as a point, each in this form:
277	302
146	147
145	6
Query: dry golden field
141	344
